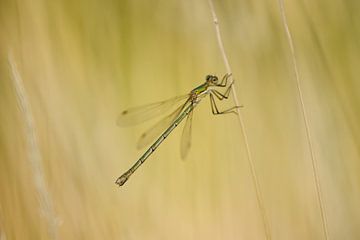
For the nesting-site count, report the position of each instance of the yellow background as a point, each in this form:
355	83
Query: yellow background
83	62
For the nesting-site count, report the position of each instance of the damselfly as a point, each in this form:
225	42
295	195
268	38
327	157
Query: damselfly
139	114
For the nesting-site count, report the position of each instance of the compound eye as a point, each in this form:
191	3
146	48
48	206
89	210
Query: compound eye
214	79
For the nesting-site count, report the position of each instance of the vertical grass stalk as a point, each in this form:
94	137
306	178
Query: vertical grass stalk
306	121
2	231
2	236
34	155
255	180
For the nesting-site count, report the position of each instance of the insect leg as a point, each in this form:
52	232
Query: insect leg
224	80
216	111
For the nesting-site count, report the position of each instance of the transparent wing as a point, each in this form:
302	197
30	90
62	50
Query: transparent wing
154	132
186	137
140	114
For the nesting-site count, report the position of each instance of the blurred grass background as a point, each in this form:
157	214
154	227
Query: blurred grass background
83	62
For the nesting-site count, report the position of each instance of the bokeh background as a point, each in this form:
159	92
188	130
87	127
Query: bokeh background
83	62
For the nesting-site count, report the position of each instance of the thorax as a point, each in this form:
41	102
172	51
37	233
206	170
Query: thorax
199	91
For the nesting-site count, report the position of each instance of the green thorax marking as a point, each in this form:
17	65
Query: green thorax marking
202	88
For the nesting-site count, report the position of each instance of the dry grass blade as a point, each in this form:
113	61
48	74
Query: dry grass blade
2	231
306	120
242	125
34	154
2	236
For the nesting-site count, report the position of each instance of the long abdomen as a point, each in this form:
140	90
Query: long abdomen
123	178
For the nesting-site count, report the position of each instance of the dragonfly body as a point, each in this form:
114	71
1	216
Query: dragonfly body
121	180
193	98
200	89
